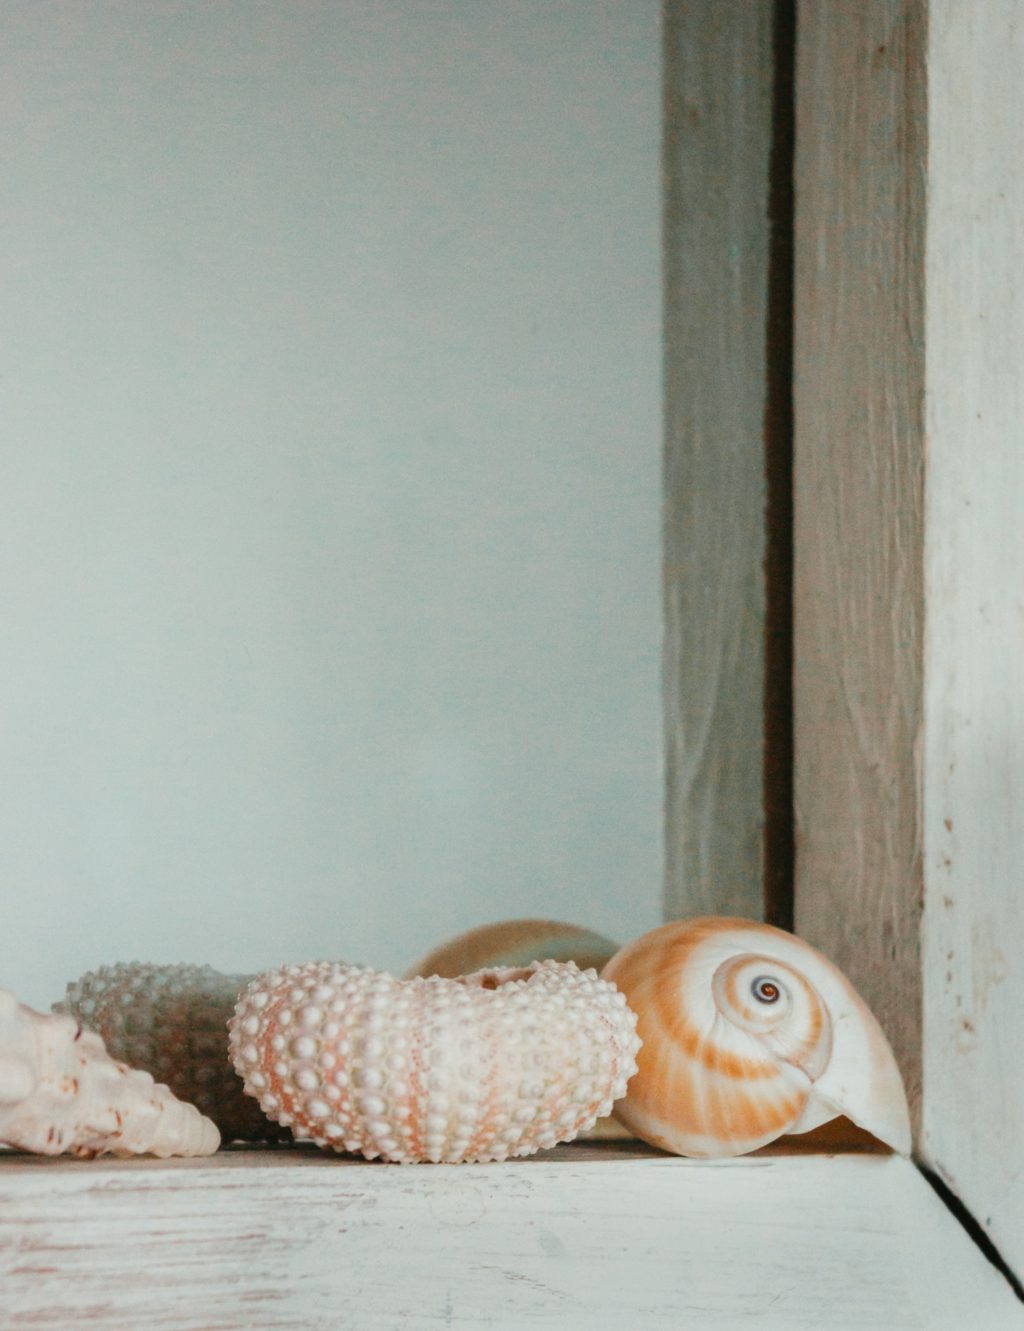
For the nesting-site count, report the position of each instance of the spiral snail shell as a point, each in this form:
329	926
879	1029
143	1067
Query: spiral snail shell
749	1033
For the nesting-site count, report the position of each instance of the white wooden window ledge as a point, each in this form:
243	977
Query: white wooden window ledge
612	1236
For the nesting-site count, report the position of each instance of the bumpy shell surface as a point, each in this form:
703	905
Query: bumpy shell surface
501	1063
516	943
749	1033
172	1021
60	1091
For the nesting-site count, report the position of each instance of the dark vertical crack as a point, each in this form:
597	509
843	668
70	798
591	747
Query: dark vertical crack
779	826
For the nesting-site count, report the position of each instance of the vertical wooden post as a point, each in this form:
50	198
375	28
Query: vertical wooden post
718	139
973	1129
859	519
909	404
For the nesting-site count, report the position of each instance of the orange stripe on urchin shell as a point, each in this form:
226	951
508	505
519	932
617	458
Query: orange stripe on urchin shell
481	1068
706	1086
517	943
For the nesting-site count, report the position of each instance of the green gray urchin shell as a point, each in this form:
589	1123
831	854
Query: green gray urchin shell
172	1021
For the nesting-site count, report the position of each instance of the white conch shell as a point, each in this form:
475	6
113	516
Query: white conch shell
500	1063
173	1022
749	1033
60	1091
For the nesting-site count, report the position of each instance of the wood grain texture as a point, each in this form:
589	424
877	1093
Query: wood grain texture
859	463
974	668
631	1241
718	109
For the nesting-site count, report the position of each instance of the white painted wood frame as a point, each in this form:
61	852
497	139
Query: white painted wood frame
859	470
909	590
577	1239
973	749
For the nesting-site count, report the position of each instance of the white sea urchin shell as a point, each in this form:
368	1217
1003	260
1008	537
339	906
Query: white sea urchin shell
61	1092
496	1064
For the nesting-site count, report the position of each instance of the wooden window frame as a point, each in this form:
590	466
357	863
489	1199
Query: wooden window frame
841	254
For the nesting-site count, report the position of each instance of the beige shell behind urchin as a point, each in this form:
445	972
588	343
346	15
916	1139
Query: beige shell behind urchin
496	1064
516	943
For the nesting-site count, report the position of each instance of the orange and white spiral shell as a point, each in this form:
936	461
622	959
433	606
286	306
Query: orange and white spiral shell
748	1034
496	1064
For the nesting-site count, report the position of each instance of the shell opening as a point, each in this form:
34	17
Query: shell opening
497	977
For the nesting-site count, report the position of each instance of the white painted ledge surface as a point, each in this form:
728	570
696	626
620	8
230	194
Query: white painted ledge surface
579	1238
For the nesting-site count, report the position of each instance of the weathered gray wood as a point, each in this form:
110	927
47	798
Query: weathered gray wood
607	1244
859	462
718	82
973	1130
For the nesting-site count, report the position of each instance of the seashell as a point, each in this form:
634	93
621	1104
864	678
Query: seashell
500	1063
749	1033
61	1092
516	943
172	1021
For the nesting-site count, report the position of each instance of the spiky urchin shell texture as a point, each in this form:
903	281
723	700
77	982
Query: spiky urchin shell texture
172	1021
517	943
61	1093
496	1064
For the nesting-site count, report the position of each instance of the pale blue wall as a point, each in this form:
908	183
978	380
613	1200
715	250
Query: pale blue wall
329	497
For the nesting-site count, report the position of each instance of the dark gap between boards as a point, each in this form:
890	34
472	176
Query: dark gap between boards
777	778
